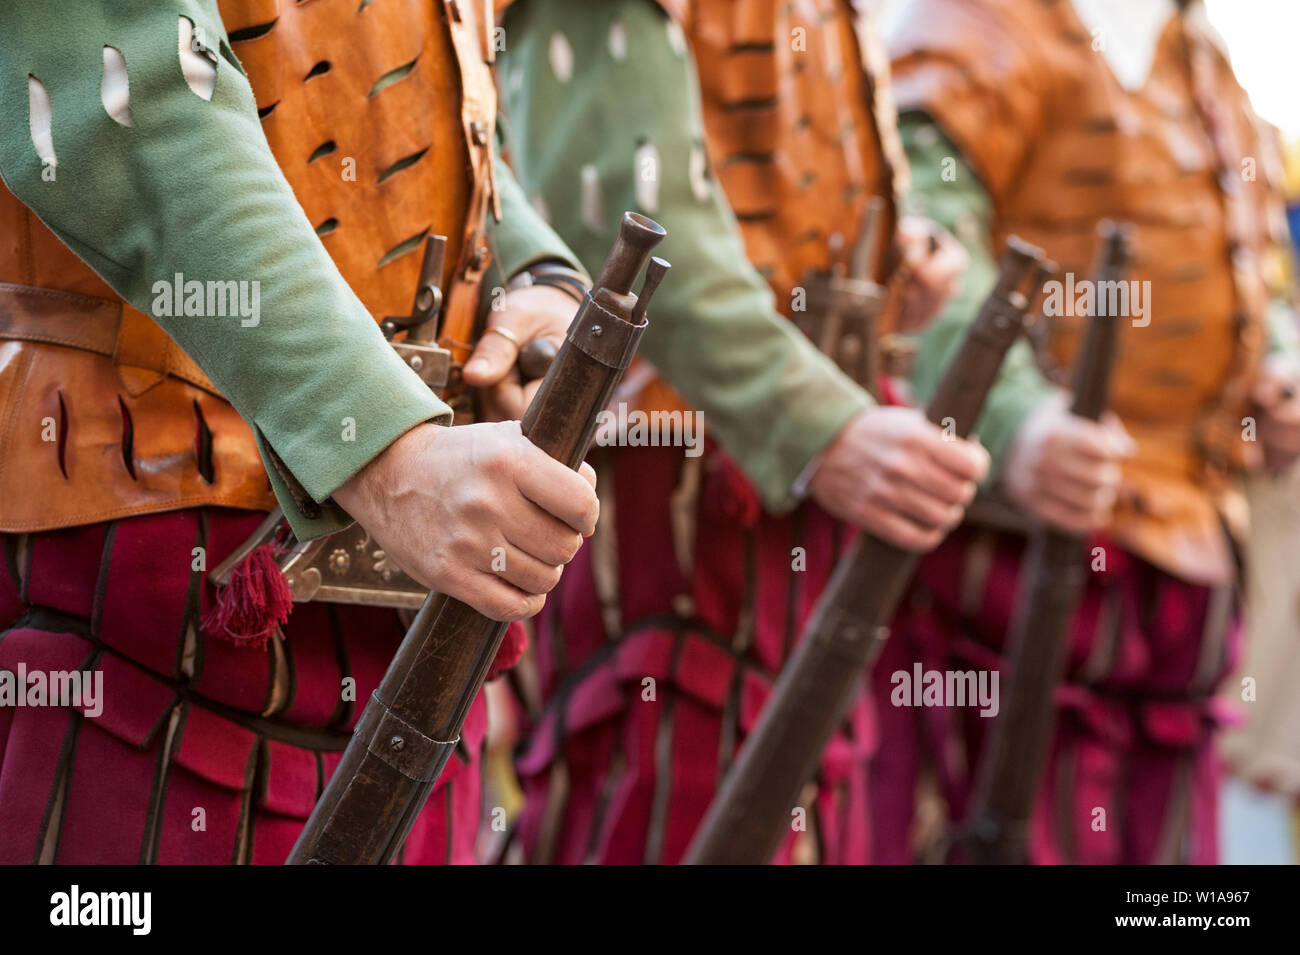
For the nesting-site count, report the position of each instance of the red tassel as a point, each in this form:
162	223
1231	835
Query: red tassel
511	650
254	603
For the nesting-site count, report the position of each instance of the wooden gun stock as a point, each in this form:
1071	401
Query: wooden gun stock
1056	561
751	812
413	720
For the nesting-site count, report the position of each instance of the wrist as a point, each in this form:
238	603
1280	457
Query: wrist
358	494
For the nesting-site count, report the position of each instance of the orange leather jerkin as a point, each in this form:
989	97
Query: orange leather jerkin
402	88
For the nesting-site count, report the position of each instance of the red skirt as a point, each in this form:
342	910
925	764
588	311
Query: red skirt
198	751
655	655
1132	776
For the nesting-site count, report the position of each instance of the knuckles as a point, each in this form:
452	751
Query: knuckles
894	465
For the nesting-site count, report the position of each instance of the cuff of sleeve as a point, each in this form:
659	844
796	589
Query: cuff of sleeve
339	441
799	440
1005	411
328	519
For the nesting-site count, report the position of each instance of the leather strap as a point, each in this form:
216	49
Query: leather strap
96	325
59	318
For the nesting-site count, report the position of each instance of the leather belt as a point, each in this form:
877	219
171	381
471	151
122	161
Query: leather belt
99	325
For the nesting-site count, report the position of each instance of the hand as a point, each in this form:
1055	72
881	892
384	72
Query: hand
932	268
1065	470
893	473
477	512
539	311
1278	395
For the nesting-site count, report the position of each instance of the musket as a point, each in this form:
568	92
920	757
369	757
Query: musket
348	566
413	719
1014	760
751	812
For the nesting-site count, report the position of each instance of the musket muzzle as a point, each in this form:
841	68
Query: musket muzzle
637	235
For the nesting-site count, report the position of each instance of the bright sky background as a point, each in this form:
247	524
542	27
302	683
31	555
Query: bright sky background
1263	38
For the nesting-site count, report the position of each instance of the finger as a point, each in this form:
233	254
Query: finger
1280	437
940	269
504	401
938	483
899	531
968	460
555	489
533	531
1084	492
1284	414
493	597
530	392
1061	516
1126	445
913	241
586	471
1080	518
920	508
491	360
1080	441
914	253
1056	513
522	570
1088	475
1269	391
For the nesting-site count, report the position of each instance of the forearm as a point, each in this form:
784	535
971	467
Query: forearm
191	189
772	400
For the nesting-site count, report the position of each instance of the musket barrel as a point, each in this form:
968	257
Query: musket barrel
751	812
413	720
1056	564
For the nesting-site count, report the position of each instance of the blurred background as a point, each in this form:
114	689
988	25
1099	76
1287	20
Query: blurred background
1260	821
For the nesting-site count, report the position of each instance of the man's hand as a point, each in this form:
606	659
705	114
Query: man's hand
1065	470
539	311
1278	395
477	512
893	473
932	268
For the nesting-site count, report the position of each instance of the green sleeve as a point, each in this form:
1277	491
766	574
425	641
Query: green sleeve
605	116
192	188
521	237
962	206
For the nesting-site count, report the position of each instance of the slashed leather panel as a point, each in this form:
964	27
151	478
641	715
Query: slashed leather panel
403	92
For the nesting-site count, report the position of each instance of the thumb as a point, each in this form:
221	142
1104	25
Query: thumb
913	248
1121	440
491	360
